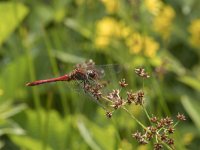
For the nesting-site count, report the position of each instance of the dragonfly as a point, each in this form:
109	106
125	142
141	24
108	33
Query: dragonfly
87	75
83	72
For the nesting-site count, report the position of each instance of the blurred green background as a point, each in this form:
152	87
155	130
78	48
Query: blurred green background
43	39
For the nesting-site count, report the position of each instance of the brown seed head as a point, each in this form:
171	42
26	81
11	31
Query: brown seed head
123	83
170	129
170	141
108	114
157	146
163	137
181	117
114	95
154	119
130	97
139	99
168	121
117	104
141	72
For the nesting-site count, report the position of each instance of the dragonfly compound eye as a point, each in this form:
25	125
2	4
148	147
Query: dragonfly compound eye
91	74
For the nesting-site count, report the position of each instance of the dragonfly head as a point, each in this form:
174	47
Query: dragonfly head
92	74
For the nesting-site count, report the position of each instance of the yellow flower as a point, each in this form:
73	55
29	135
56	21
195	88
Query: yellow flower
153	6
150	46
194	30
162	22
106	30
138	43
111	5
125	31
134	42
102	42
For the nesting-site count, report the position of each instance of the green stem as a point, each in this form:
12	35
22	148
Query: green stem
146	112
132	116
176	123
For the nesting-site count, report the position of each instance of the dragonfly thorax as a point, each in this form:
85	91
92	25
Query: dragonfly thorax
79	75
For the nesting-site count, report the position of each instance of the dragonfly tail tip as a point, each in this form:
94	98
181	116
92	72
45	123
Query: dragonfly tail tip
28	84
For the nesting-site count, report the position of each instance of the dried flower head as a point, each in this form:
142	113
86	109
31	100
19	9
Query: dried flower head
163	137
117	104
152	129
141	72
139	137
170	141
181	117
114	95
139	98
117	101
170	129
167	121
153	119
108	114
94	90
157	146
123	83
130	97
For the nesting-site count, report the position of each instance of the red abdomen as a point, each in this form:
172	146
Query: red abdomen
61	78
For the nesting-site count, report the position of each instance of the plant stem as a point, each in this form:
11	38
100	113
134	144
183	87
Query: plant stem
132	116
146	112
176	123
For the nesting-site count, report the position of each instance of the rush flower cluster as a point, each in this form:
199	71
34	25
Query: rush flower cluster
159	130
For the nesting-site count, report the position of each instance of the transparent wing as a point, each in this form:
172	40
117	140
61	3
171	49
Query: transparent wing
110	69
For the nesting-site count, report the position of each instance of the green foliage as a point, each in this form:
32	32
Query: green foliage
43	39
11	15
7	125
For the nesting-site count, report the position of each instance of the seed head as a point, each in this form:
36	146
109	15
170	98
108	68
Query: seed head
123	83
137	135
154	119
168	121
139	98
163	137
142	139
94	90
171	130
141	72
181	117
108	114
114	95
152	129
117	104
130	97
157	146
170	141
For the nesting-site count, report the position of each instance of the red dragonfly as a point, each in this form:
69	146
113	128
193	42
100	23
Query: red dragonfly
86	73
83	72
